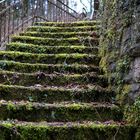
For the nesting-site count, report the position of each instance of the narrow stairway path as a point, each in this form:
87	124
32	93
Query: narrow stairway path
51	86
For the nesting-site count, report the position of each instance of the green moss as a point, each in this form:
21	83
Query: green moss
76	106
132	113
122	69
26	111
47	68
69	24
62	29
111	33
55	42
26	79
11	106
49	58
56	35
30	48
55	94
104	65
113	47
74	131
29	106
123	98
116	68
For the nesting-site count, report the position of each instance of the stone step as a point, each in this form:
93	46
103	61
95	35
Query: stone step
64	59
63	29
17	130
64	111
68	24
47	68
54	79
57	34
55	41
51	94
30	48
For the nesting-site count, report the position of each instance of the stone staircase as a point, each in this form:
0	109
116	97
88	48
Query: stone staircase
51	86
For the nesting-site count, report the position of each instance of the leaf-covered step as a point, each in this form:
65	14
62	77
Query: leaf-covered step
57	34
55	41
27	79
38	93
30	48
64	111
47	68
63	29
49	58
16	130
68	24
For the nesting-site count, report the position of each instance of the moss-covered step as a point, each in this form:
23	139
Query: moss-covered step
65	59
50	94
68	24
89	41
47	68
57	34
27	79
30	48
64	111
15	130
63	29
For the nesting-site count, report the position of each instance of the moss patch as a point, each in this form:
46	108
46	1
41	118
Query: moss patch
69	24
47	68
49	58
57	35
23	79
57	94
62	29
28	111
30	48
66	131
55	42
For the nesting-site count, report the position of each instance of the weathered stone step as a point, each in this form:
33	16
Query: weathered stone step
63	29
15	130
65	59
56	79
64	111
50	94
47	68
68	24
55	41
30	48
57	34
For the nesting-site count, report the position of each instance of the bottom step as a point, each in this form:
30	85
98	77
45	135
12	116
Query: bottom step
66	131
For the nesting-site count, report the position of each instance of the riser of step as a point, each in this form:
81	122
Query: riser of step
55	42
71	24
56	94
57	35
30	48
47	68
29	111
23	79
64	59
63	29
65	131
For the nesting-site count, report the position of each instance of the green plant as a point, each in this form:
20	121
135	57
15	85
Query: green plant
11	106
29	106
132	113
